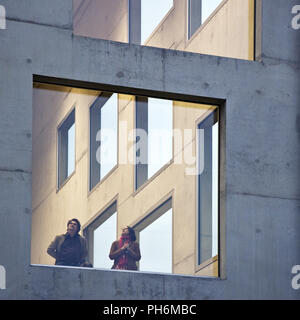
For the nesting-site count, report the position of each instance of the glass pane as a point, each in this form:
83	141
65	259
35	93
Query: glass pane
104	236
160	126
157	235
71	149
208	188
109	129
154	144
215	188
208	6
152	14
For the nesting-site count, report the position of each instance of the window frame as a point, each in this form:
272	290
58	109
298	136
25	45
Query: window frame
92	186
145	99
207	262
59	156
100	218
190	33
155	212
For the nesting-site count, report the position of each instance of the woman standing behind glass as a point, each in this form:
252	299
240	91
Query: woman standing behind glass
125	251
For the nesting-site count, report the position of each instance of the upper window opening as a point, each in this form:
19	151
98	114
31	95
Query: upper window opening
152	13
168	24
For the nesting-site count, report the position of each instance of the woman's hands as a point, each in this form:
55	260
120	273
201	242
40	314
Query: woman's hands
125	246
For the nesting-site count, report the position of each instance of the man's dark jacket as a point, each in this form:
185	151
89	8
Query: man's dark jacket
55	246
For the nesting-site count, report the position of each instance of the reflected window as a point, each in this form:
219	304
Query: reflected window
198	12
66	148
154	123
101	233
208	6
103	136
152	13
156	232
208	187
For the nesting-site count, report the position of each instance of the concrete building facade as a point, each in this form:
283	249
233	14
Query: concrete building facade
258	104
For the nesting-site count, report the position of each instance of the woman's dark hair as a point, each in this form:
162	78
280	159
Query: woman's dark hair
78	224
131	234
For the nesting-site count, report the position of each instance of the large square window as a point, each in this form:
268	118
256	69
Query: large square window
164	172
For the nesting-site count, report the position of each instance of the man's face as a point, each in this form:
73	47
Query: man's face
72	228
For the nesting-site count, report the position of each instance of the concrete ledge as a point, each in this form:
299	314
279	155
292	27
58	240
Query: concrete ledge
59	282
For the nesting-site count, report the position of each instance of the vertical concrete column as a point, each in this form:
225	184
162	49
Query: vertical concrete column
134	23
276	37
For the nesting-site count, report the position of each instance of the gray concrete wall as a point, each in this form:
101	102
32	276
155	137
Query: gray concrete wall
262	151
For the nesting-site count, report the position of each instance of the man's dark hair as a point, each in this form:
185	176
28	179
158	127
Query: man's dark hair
78	224
131	234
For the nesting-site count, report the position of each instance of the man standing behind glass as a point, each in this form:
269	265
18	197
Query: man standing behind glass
69	249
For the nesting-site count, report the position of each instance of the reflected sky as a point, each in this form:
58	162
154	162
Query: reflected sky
109	129
156	245
160	125
153	11
208	6
104	236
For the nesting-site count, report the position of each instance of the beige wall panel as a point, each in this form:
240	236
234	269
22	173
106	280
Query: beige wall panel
101	19
224	34
51	208
210	270
185	266
146	198
171	31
